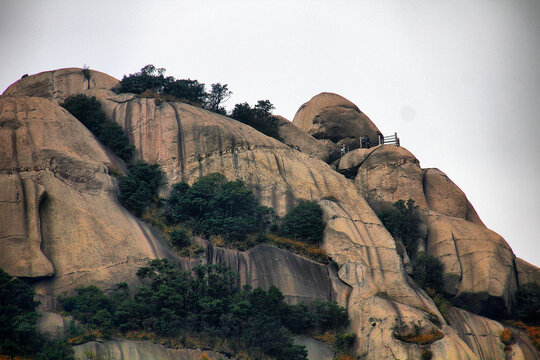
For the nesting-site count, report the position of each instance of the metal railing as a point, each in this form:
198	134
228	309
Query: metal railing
389	140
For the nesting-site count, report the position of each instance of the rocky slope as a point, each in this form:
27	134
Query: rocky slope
70	229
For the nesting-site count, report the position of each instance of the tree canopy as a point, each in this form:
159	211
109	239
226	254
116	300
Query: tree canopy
402	221
304	222
139	188
18	317
259	117
187	90
170	302
88	111
215	206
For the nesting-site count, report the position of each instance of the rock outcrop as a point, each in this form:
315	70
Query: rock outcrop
482	335
87	237
330	116
60	215
324	150
299	279
479	264
58	84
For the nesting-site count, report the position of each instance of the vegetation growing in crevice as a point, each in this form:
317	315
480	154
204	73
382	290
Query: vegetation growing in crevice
428	271
173	304
415	334
304	222
402	222
528	303
259	117
228	213
215	206
88	111
532	331
139	188
18	318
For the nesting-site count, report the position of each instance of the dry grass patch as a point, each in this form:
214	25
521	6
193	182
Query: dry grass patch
532	331
310	251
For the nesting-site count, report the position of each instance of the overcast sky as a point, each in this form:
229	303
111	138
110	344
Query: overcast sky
458	80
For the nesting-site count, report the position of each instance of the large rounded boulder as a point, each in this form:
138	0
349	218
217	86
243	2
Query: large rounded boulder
331	116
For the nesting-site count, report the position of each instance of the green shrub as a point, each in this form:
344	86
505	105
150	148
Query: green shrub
149	78
18	317
304	222
344	341
90	306
139	188
427	272
152	79
187	90
402	222
298	318
88	111
208	301
56	349
215	206
528	303
180	238
329	315
259	117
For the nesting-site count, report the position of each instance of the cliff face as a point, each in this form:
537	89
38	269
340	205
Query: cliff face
70	229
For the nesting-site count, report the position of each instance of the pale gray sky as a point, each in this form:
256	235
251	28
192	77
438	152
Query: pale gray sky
458	80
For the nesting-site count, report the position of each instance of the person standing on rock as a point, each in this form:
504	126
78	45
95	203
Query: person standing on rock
363	142
368	142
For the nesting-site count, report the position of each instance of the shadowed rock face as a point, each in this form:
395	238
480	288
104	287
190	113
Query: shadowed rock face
330	116
482	336
291	135
189	142
299	279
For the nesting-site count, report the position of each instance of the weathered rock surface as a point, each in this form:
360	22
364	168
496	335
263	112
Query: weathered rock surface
299	279
300	140
61	215
138	350
189	142
58	84
316	350
51	325
445	197
388	174
482	336
527	273
353	159
330	116
478	263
